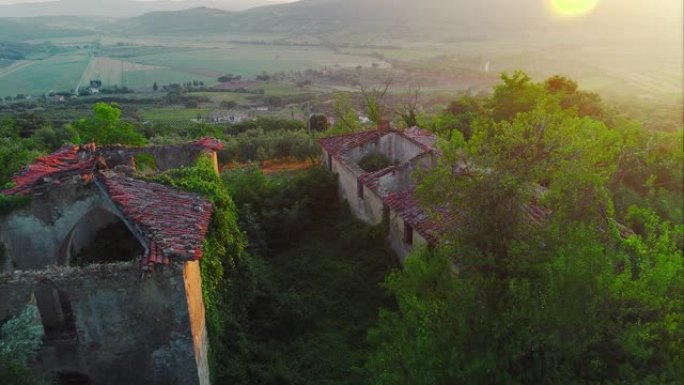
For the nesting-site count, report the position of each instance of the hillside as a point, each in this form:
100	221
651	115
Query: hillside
399	18
117	8
36	28
436	20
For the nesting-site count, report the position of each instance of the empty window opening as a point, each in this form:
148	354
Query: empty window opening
330	164
359	189
99	237
408	234
72	378
112	243
56	313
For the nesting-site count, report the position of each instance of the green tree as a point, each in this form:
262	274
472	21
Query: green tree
536	282
347	119
517	93
318	123
106	127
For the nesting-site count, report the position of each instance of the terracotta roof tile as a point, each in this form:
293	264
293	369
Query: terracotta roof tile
63	163
174	222
211	144
426	139
336	145
406	205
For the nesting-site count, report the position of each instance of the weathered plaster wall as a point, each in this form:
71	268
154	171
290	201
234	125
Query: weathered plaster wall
44	232
398	148
402	177
128	330
396	238
394	146
34	234
166	157
193	291
368	208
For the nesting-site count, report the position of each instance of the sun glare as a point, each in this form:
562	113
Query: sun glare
574	7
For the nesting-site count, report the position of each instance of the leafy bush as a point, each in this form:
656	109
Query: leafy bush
374	162
145	162
20	340
317	276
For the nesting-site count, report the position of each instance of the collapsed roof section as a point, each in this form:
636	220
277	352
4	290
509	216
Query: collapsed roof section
398	195
170	223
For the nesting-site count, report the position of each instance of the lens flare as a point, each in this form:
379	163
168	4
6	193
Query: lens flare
574	7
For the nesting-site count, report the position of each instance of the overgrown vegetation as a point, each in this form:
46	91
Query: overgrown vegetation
317	290
20	340
226	270
568	296
374	162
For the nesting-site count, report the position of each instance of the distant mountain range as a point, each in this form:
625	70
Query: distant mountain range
347	20
119	8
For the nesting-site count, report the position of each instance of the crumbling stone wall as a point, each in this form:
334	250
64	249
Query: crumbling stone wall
166	157
127	330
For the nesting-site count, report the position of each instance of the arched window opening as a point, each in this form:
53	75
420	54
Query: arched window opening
102	237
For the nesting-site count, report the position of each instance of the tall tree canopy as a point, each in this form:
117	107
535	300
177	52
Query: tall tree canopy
544	279
106	127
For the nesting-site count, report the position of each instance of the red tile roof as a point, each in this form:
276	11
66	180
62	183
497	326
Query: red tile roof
426	139
211	144
175	222
406	205
65	162
336	145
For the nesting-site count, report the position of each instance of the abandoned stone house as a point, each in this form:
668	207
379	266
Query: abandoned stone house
112	264
387	194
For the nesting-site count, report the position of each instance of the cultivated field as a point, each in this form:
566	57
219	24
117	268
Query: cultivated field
112	71
57	73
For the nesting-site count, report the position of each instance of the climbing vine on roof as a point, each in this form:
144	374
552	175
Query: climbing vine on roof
223	262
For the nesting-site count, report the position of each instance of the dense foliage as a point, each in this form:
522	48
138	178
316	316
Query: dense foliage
106	127
584	291
20	340
317	290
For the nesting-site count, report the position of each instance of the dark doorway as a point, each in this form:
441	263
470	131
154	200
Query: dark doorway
55	311
72	378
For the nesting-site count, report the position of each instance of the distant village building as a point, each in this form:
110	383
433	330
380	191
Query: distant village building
137	319
388	194
223	116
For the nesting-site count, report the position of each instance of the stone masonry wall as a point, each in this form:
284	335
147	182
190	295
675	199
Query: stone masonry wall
127	330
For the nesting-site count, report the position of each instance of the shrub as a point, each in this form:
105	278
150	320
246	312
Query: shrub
374	162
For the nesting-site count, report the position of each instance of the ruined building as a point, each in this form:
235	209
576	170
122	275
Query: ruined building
111	262
386	194
389	194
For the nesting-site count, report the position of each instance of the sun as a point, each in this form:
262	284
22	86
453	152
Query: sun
574	7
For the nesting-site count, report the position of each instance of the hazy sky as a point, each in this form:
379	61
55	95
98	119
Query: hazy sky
5	2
